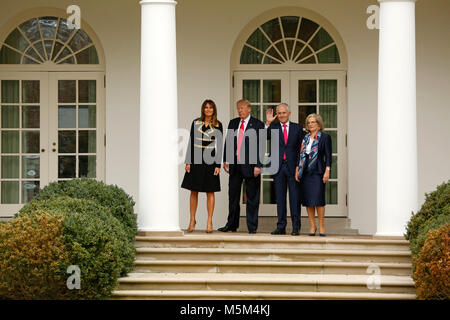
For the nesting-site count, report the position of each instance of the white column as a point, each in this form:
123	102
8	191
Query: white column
397	194
158	167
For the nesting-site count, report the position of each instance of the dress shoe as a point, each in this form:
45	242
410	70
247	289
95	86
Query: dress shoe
279	231
313	234
295	233
322	234
252	231
226	229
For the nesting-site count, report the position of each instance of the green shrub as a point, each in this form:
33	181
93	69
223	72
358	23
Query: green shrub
112	197
436	203
432	275
76	207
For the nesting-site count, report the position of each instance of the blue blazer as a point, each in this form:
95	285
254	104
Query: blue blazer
324	156
292	148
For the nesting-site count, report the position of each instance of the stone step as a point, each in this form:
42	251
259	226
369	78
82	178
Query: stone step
265	282
254	295
225	254
286	267
268	241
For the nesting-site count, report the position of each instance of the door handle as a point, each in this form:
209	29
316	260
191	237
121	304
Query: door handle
42	150
54	150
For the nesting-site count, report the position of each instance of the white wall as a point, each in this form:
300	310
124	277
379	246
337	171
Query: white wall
206	31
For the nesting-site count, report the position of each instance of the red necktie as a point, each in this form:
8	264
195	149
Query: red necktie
285	138
241	135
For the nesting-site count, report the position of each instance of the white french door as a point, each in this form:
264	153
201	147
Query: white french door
52	129
306	92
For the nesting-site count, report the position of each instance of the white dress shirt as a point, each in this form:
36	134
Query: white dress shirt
282	128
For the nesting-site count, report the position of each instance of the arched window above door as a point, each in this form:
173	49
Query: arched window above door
290	39
48	40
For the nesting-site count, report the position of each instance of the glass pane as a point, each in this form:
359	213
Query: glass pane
30	141
66	91
320	40
251	90
56	49
303	112
30	91
31	30
269	192
272	91
39	47
10	91
87	166
87	91
330	55
328	90
64	32
10	192
17	41
256	111
48	48
66	52
290	25
298	47
305	53
10	167
67	117
274	54
309	60
272	29
67	142
32	53
8	56
10	141
290	47
79	41
268	60
48	26
333	135
307	28
87	141
29	190
334	168
30	117
87	117
258	40
282	49
250	56
10	117
331	192
70	60
307	91
67	167
88	56
329	116
31	167
28	61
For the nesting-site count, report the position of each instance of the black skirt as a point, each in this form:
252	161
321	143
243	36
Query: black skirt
312	190
201	178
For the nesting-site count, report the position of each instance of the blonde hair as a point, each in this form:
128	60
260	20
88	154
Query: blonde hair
319	120
244	102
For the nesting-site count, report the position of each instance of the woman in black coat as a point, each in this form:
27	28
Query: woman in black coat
313	170
203	160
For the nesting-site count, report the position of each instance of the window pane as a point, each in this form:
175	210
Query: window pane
31	167
88	56
10	117
334	168
29	190
282	49
309	60
10	167
87	91
67	142
251	90
48	26
250	56
328	90
87	141
17	41
79	41
10	141
333	135
298	47
307	28
8	56
272	91
256	112
87	166
31	30
67	167
30	91
272	29
10	192
64	32
269	192
66	91
30	117
329	116
274	54
30	141
321	39
32	53
307	91
303	112
56	49
268	60
67	117
87	117
290	25
330	55
258	40
331	192
10	91
305	53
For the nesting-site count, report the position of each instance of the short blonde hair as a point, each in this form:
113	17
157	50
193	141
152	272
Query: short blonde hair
244	102
318	118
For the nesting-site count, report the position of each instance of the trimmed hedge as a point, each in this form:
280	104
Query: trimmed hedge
71	206
436	203
115	198
81	233
432	275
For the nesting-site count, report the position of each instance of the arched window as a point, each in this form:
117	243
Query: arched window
290	38
48	39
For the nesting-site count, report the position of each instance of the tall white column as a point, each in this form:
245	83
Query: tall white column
397	194
158	167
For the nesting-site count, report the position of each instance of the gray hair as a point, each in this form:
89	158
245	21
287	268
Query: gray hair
284	104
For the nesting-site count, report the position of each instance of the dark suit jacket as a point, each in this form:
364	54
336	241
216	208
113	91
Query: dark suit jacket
292	149
248	166
324	156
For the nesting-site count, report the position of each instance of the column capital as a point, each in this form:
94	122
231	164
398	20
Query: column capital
380	1
169	2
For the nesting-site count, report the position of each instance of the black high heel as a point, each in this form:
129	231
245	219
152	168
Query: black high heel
313	234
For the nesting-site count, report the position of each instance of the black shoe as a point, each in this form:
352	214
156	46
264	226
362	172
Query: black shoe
279	231
252	231
295	233
313	234
226	229
322	234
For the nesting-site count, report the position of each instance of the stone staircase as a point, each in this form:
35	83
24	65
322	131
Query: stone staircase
262	266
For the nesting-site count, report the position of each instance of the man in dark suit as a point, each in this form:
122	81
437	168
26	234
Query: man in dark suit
242	160
289	142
